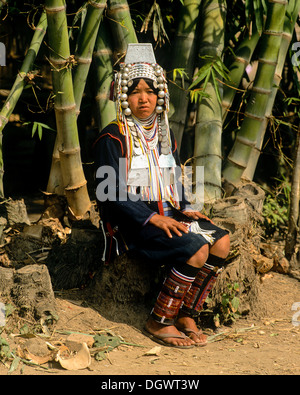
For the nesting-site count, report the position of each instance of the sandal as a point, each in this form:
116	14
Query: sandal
190	332
161	338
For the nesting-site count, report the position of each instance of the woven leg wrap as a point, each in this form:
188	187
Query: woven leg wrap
200	289
170	298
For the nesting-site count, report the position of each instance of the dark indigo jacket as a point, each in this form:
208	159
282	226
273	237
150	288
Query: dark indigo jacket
130	217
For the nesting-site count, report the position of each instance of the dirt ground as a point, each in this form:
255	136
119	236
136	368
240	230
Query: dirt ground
267	344
264	342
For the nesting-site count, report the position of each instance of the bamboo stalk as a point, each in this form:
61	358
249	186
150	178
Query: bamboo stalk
183	56
293	10
293	229
118	13
208	129
255	112
103	75
83	56
74	183
20	84
237	68
85	47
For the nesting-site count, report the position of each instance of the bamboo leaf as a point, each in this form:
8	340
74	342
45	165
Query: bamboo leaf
248	12
155	27
221	69
35	124
216	86
207	78
201	75
161	22
147	20
258	13
197	95
182	75
43	125
14	365
40	131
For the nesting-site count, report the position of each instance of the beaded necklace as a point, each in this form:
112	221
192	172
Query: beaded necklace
144	141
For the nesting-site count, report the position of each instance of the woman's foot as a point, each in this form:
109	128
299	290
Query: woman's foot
167	335
188	326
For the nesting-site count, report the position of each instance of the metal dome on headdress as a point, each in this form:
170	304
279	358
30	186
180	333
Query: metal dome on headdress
140	63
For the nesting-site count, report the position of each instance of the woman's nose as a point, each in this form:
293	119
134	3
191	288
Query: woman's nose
143	97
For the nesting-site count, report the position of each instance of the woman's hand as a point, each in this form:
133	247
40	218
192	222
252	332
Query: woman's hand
196	215
168	225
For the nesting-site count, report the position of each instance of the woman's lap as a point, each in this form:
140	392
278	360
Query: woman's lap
178	249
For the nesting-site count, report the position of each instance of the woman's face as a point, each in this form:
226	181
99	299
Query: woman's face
142	100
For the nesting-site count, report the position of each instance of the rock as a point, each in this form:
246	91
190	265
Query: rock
262	263
281	265
5	261
6	280
15	211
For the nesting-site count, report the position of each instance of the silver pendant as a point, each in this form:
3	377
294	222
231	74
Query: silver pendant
139	162
166	160
137	150
138	178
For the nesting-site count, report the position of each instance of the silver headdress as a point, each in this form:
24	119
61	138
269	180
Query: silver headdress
143	136
140	62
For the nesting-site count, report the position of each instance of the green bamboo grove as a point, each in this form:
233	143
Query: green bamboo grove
262	87
200	72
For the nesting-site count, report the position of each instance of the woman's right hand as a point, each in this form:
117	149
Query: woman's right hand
168	225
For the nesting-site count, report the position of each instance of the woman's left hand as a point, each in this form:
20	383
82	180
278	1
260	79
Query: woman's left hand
196	215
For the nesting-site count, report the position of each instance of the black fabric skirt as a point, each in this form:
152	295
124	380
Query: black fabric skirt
178	249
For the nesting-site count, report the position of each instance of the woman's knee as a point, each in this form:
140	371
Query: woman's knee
200	257
221	247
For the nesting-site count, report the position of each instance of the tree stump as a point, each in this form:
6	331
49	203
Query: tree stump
240	214
30	289
74	263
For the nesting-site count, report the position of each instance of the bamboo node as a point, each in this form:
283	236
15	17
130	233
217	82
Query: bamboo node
101	96
61	64
253	116
103	52
213	7
55	9
245	141
272	33
283	2
70	151
97	5
70	62
74	188
263	91
199	157
81	60
65	108
236	164
3	118
114	8
266	61
242	60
